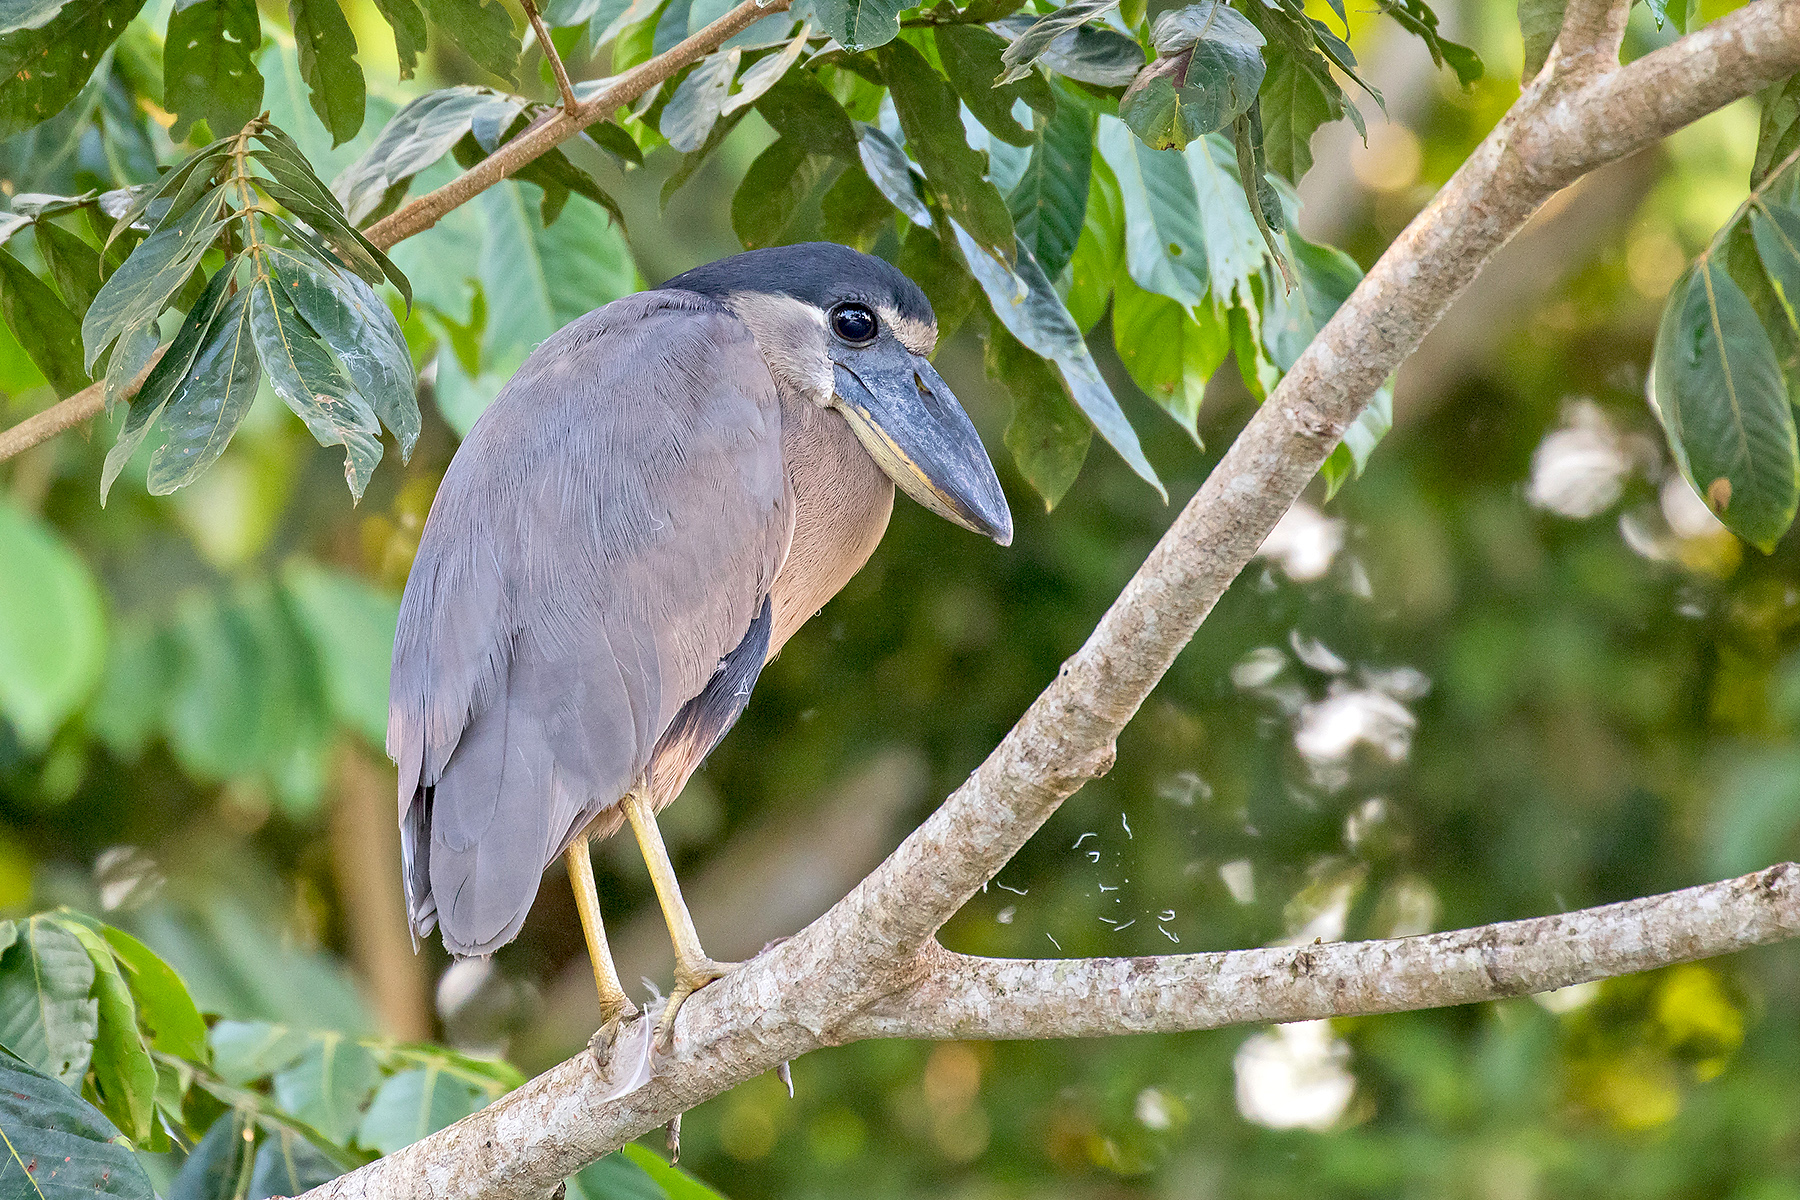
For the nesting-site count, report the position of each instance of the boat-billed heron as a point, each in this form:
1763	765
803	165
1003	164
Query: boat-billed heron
659	498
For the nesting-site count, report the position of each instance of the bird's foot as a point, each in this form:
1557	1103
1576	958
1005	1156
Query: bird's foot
689	978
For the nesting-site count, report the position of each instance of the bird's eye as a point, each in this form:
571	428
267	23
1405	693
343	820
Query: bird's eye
853	322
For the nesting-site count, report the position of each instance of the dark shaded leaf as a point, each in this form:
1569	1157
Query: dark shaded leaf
43	324
124	1075
1416	17
58	1146
362	331
1091	54
1539	23
1778	135
772	193
971	57
43	68
148	280
287	1164
616	142
1029	44
303	374
483	30
1211	74
209	65
408	23
1047	435
327	50
691	163
1326	276
853	210
1298	95
209	402
331	234
1049	203
47	1016
1350	456
1170	352
939	271
856	24
931	117
1719	392
219	1163
164	378
72	263
801	110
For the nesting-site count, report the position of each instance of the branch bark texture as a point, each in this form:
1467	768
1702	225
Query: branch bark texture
427	210
871	967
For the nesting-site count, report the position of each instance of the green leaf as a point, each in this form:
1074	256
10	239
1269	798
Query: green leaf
245	1051
891	173
1719	392
327	50
414	1104
931	117
1049	203
1028	46
1047	435
773	193
164	1006
135	293
1679	13
1235	249
856	24
1210	72
288	1164
1778	133
853	212
361	330
73	265
1416	17
57	1146
1091	54
52	635
168	374
1326	277
971	57
1099	252
408	23
302	372
1024	301
939	271
210	402
1298	95
351	628
676	1182
1165	244
124	1075
43	68
327	1087
47	1017
1170	352
46	329
1539	22
1350	456
421	133
209	65
27	14
801	110
219	1166
482	29
688	117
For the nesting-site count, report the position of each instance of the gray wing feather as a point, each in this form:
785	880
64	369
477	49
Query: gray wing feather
604	537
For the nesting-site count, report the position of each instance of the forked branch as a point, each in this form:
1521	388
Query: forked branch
870	966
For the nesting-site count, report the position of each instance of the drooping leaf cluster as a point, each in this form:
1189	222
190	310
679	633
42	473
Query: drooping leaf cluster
1033	167
104	1054
1726	375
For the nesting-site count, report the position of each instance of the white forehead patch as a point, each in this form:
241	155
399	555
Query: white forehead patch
918	336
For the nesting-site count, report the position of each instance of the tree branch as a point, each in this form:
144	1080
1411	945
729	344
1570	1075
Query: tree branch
427	210
542	32
856	970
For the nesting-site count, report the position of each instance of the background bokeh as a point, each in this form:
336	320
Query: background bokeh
1515	668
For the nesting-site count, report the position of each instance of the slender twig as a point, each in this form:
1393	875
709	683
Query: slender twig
570	104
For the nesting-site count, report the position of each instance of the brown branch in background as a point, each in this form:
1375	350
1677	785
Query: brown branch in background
542	32
365	845
427	210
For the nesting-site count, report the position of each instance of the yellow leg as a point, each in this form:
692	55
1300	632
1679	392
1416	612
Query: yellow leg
615	1005
693	970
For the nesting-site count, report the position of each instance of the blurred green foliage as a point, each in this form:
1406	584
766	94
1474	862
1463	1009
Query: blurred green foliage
1515	668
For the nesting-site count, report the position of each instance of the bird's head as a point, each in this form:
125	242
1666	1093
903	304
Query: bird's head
851	332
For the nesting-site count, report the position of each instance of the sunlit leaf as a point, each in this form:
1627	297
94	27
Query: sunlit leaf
52	635
164	1006
413	1104
47	1016
1170	352
1348	459
43	324
124	1075
57	1145
1719	392
677	1183
1165	244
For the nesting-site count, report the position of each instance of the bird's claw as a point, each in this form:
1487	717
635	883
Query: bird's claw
689	978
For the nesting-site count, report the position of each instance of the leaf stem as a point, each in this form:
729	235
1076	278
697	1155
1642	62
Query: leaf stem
570	104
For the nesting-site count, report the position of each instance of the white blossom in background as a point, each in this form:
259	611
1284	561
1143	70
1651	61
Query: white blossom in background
1330	729
1294	1077
1239	877
1316	654
460	982
1579	471
1258	668
1303	543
